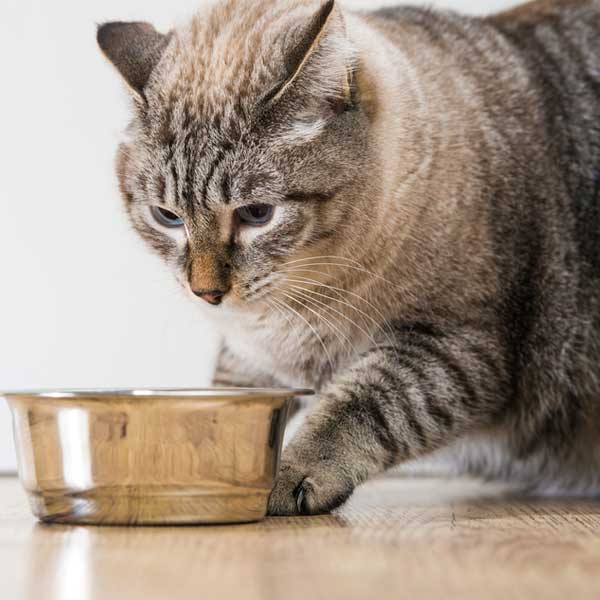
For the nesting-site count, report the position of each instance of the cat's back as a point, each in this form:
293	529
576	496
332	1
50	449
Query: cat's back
564	34
534	72
568	27
559	41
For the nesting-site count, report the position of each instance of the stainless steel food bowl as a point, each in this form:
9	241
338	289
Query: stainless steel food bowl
149	457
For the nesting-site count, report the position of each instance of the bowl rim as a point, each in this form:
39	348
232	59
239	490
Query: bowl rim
158	393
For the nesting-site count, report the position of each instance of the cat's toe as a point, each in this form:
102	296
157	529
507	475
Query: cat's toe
307	491
315	497
282	502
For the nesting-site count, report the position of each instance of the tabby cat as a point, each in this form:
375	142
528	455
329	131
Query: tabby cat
398	208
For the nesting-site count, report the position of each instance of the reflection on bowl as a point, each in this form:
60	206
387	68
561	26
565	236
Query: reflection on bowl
149	456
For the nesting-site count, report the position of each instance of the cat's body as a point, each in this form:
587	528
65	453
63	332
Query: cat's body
445	295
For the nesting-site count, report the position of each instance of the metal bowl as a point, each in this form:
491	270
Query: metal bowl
149	457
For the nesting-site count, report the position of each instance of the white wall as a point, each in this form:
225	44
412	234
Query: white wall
82	303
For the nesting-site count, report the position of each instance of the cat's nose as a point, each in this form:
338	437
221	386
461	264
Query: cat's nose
214	297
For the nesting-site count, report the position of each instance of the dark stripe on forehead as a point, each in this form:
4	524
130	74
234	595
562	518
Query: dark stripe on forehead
161	187
208	179
226	188
142	181
193	155
187	191
310	196
166	135
221	155
175	179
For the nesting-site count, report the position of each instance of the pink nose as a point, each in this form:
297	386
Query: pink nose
214	297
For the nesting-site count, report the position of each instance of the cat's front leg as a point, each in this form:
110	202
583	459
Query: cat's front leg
395	404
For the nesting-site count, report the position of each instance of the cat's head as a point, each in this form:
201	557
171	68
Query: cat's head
249	141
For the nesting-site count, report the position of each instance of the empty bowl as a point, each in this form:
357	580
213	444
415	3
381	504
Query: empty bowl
149	457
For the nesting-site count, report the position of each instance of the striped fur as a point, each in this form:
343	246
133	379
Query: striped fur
433	268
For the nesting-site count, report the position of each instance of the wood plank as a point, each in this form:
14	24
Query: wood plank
398	538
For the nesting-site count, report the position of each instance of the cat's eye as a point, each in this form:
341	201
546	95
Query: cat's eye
255	215
166	218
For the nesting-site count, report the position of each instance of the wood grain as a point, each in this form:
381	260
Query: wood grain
398	538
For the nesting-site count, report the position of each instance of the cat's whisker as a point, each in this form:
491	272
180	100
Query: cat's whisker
302	260
271	310
283	313
300	269
272	307
339	293
309	325
387	338
390	331
306	293
318	304
319	316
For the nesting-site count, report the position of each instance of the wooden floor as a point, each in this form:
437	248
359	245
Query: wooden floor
398	538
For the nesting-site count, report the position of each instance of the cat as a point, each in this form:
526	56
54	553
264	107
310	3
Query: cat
399	208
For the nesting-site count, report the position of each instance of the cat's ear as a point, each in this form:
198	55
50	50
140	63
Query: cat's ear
319	56
134	49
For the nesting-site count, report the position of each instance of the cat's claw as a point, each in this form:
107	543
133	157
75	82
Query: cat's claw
307	492
300	501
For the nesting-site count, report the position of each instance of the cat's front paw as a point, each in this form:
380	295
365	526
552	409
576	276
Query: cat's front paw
308	489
